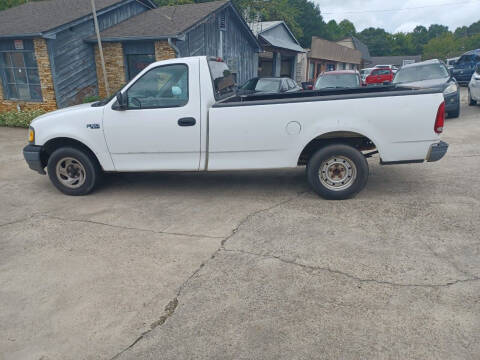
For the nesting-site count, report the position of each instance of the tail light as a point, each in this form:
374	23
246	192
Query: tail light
440	120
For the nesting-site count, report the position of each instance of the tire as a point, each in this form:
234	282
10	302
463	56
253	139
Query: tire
74	172
471	102
348	165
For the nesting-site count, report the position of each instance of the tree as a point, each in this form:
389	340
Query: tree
436	30
442	47
378	41
346	28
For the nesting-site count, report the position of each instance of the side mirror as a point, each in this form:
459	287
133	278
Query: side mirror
122	102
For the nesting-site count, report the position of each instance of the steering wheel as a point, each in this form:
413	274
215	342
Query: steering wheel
136	102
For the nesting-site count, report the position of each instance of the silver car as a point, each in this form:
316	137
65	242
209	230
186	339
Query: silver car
474	87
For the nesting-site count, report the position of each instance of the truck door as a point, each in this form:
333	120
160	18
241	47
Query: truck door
160	127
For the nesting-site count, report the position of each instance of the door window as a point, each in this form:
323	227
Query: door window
161	87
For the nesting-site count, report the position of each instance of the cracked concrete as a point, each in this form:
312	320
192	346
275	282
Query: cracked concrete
244	265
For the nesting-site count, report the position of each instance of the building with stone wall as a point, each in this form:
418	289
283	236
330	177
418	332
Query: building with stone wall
212	29
45	62
49	54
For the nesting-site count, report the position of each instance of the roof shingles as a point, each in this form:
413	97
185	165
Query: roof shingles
162	22
328	50
37	17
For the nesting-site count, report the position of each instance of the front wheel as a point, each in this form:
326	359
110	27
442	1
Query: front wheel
337	172
471	102
73	171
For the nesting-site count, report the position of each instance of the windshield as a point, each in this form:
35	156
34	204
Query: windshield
465	59
222	78
420	73
267	85
337	81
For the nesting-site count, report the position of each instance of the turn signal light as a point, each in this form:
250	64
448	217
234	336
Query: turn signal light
440	120
31	135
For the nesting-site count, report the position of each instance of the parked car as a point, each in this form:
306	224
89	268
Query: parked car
379	76
451	62
464	67
391	67
432	74
364	73
338	79
183	115
268	85
474	87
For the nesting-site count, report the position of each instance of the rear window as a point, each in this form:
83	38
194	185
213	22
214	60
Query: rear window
468	59
268	85
333	81
222	78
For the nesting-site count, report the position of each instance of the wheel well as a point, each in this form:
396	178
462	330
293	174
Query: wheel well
54	144
358	141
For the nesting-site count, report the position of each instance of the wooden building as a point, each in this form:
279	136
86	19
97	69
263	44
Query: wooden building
212	29
282	51
326	55
353	42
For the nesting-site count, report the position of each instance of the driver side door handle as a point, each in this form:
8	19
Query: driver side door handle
188	121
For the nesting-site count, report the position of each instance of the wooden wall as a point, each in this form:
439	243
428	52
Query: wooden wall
73	59
238	50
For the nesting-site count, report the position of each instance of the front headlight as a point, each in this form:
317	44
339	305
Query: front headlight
452	88
31	135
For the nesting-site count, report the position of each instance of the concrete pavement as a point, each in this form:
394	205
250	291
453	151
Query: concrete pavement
247	265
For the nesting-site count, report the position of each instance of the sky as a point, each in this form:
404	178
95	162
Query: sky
401	15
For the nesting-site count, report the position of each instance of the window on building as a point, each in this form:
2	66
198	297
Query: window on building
330	67
19	74
137	62
344	66
161	87
311	71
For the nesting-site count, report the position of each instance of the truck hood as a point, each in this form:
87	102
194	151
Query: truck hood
71	112
426	84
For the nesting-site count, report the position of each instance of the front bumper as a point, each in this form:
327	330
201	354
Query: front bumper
463	78
437	151
32	155
452	102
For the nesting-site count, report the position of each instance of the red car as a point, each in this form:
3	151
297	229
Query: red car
379	76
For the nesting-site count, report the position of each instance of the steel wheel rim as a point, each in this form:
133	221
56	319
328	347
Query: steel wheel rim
70	172
337	173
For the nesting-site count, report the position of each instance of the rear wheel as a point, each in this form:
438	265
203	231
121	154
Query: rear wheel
337	172
73	171
471	102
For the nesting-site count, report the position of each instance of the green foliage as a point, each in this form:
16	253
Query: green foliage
92	98
19	118
442	47
6	4
379	42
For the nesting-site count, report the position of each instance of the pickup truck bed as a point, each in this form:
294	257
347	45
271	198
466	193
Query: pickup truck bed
326	95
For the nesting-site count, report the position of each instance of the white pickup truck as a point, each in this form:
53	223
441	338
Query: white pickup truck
184	115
